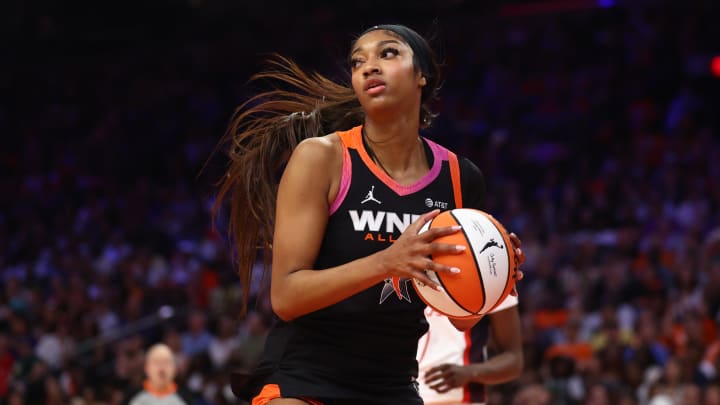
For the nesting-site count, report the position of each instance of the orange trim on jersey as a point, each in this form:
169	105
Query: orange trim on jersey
170	389
272	391
353	140
351	137
455	176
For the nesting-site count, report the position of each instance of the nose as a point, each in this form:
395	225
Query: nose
371	67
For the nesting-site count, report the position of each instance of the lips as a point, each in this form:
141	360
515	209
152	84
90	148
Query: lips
373	83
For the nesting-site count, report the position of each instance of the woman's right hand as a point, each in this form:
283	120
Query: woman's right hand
409	256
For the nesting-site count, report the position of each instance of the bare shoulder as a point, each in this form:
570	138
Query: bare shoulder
319	161
322	144
322	150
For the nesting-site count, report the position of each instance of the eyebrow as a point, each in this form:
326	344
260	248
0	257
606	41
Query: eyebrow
377	45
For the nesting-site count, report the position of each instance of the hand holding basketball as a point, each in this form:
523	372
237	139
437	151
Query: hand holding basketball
489	264
409	256
518	254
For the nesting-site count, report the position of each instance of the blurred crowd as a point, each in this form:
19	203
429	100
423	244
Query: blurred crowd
601	151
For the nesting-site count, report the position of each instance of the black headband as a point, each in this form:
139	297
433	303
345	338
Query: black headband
422	54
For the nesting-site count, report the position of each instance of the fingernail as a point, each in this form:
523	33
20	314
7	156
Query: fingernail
439	288
454	270
460	248
456	227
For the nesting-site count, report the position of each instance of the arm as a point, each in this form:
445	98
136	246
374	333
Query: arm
300	221
508	363
505	366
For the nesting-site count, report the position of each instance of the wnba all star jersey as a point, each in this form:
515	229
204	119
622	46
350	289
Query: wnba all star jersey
365	346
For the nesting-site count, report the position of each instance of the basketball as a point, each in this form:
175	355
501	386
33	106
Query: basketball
487	266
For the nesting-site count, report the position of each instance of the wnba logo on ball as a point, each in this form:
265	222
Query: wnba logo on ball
436	204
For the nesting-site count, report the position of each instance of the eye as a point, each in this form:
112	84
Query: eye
355	63
389	52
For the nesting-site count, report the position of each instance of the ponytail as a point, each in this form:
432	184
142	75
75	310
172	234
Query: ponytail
261	135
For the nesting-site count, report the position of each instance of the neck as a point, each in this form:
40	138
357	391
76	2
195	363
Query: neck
396	144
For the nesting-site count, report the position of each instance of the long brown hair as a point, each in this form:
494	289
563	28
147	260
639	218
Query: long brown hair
261	134
265	129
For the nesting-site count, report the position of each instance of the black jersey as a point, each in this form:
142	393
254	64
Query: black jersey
364	348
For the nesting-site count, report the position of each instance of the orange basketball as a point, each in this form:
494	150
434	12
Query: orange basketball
487	266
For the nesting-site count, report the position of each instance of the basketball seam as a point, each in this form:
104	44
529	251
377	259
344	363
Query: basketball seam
469	313
511	270
477	267
427	301
429	226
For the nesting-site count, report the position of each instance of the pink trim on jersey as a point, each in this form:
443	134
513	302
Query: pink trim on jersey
440	154
344	181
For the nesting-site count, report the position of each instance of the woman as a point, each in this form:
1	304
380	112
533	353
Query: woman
344	234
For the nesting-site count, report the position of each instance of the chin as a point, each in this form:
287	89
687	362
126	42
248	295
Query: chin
377	104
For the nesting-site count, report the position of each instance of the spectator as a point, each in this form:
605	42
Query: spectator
54	346
532	395
196	339
159	386
253	341
224	343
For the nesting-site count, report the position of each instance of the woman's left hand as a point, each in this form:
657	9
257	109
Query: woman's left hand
518	254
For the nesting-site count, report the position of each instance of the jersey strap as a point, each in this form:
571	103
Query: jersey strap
455	176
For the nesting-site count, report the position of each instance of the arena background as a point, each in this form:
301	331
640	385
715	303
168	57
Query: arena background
595	123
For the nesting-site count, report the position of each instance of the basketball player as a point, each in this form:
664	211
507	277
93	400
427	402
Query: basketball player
455	365
344	227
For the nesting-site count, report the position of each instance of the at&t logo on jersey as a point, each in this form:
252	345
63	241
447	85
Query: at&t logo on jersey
435	204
